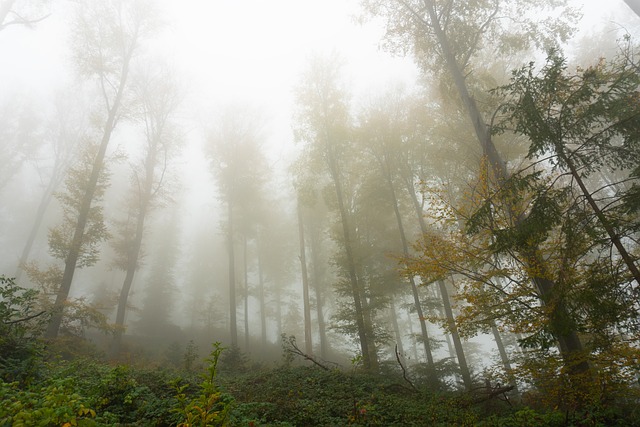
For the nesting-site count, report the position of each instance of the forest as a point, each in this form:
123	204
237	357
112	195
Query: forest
359	212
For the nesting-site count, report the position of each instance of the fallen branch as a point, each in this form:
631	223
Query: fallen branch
294	349
492	392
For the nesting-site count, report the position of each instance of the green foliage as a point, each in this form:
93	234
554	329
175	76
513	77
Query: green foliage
21	324
211	406
54	403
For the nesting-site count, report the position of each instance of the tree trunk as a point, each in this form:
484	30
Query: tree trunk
634	5
263	306
317	286
233	324
504	357
35	228
305	284
356	290
462	360
246	294
83	213
405	251
396	328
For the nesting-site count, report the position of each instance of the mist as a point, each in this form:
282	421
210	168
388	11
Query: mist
301	176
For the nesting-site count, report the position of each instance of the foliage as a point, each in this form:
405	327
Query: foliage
21	324
55	403
211	406
548	251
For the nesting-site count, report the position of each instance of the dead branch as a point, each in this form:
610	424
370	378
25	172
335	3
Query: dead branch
404	371
25	318
294	349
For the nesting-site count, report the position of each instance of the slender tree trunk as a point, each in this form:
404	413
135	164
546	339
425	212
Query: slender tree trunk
414	346
634	5
396	328
233	323
602	219
453	329
278	310
35	228
132	266
405	251
317	286
263	306
246	294
85	207
305	283
504	357
368	328
355	285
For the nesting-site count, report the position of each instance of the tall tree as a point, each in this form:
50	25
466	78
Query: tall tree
323	122
305	281
106	36
445	37
67	130
157	99
235	157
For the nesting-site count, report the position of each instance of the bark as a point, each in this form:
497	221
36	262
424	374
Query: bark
305	284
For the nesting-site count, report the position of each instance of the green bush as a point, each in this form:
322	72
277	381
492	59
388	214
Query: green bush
21	326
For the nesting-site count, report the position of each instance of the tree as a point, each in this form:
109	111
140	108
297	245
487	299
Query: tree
233	149
582	126
67	130
20	136
305	281
323	122
106	37
159	293
158	99
445	38
27	13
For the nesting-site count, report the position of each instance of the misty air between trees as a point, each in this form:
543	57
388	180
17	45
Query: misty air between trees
474	212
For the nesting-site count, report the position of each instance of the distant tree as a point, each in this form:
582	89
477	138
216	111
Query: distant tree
157	100
233	150
20	138
106	36
67	130
159	294
22	12
323	123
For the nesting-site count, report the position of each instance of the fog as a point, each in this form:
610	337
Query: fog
213	142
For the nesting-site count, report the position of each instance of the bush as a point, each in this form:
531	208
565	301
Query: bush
21	326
